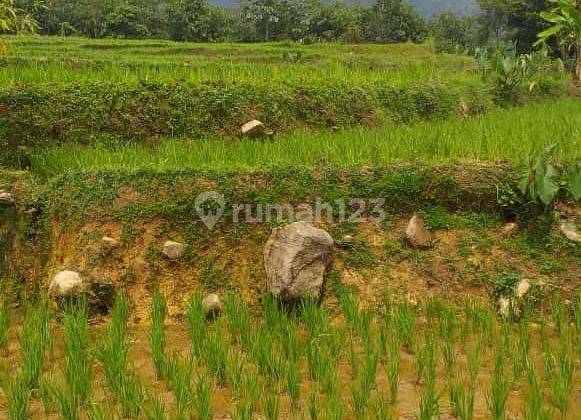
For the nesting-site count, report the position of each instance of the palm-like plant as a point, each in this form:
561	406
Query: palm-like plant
566	20
13	19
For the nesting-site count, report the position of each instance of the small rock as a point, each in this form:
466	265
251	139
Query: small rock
212	305
569	229
6	198
173	250
108	243
252	128
509	228
348	239
504	305
66	284
416	233
296	258
522	288
464	109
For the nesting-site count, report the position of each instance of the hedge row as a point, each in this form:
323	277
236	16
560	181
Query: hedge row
49	114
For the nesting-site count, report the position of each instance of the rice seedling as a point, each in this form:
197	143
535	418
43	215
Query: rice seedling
271	406
197	324
252	390
291	343
154	409
559	371
353	359
448	334
359	401
461	399
293	383
393	370
19	383
4	324
381	408
47	396
474	362
17	394
77	371
215	354
497	395
322	366
314	407
405	322
429	401
34	342
157	335
179	375
559	313
112	354
424	355
235	371
535	408
334	409
521	351
266	358
203	399
238	316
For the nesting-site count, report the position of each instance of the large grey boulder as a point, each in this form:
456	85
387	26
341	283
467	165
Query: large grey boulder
297	258
66	284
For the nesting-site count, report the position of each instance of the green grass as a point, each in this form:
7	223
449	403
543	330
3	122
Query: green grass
36	59
509	135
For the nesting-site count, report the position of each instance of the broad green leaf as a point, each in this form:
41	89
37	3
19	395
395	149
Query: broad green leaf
574	181
553	30
547	184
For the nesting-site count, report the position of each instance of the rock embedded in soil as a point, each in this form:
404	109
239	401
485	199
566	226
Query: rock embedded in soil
6	198
66	284
522	288
108	243
504	305
212	305
569	229
252	129
509	229
297	258
417	235
173	250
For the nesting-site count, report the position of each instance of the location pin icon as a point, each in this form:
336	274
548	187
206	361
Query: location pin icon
208	213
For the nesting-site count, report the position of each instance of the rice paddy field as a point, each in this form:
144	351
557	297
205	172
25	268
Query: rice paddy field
105	146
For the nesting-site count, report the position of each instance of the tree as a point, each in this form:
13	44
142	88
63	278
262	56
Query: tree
450	32
126	21
188	20
510	20
566	20
393	21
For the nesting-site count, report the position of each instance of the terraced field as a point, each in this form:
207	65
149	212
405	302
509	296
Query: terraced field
439	215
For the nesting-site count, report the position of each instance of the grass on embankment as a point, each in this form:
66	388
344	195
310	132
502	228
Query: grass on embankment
507	135
35	59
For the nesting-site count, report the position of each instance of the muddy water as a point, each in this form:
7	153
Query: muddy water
409	394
